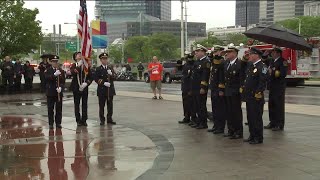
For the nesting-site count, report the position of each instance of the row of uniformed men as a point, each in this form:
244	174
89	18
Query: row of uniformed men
81	79
233	81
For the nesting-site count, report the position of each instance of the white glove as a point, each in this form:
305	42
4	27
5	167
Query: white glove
109	72
79	63
106	84
84	85
57	73
59	89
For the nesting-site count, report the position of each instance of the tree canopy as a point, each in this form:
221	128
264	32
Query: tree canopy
20	32
310	25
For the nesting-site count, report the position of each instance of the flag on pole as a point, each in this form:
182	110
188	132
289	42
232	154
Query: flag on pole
84	34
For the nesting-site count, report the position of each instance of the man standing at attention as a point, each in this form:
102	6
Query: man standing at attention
155	69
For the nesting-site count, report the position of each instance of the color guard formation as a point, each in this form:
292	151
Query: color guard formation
232	81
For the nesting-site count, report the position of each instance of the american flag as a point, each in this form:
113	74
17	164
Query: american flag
84	34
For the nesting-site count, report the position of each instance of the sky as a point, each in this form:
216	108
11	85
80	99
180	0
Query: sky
214	13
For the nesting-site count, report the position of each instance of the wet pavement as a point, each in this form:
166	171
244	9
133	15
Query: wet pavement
147	143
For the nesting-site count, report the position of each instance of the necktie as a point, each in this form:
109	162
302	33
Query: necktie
228	66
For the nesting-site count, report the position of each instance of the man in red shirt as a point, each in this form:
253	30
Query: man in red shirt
155	70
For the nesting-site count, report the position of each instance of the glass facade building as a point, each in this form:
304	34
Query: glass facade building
252	12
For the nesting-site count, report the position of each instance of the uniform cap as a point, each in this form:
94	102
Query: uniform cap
217	48
187	52
277	49
54	58
254	50
103	55
232	47
199	47
75	54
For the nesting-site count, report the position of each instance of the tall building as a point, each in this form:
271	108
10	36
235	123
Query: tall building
272	11
127	10
252	12
312	8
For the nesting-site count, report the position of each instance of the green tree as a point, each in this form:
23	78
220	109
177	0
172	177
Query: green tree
164	45
236	39
310	25
210	41
137	49
20	32
115	53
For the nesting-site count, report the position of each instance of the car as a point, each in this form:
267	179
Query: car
66	67
172	71
36	68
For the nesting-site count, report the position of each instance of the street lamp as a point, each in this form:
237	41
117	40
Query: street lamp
299	29
78	39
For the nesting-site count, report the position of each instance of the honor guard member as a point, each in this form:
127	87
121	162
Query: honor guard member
253	89
104	77
186	87
79	86
55	80
217	91
42	67
277	86
200	81
233	76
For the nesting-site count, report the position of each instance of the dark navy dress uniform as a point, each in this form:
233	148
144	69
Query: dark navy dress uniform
253	88
7	75
105	94
233	76
43	66
217	86
79	77
186	85
54	99
277	86
200	80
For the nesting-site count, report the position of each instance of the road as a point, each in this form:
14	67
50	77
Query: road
294	95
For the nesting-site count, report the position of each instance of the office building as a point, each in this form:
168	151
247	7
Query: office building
312	8
272	11
127	10
252	12
222	32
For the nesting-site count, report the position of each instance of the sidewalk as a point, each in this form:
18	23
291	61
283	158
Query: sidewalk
149	144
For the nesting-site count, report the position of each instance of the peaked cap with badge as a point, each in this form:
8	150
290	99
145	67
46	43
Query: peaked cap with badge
199	47
54	58
103	55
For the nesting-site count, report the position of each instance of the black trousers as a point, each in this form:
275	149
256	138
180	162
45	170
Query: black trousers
102	103
234	114
42	83
54	104
77	96
219	111
187	105
28	83
276	109
200	103
17	83
140	74
7	82
254	116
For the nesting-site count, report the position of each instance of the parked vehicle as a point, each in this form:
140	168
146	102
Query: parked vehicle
36	68
172	71
66	67
124	75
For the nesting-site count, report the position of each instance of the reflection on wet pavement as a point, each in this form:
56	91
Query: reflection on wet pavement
29	150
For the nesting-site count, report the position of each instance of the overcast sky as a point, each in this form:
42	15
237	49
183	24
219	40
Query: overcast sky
214	13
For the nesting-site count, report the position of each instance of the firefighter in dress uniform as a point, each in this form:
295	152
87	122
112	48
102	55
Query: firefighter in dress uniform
42	67
233	76
104	77
217	90
277	86
186	87
81	80
200	81
254	86
55	80
7	74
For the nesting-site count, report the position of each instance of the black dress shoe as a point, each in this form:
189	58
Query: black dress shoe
269	126
256	141
248	140
50	126
236	136
276	129
218	131
111	122
211	130
202	127
79	124
102	123
184	121
228	135
58	126
84	124
194	125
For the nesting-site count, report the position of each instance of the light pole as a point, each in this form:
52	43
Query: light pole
186	24
299	29
182	30
78	39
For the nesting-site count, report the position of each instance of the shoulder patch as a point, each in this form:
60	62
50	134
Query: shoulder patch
208	65
285	63
264	70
